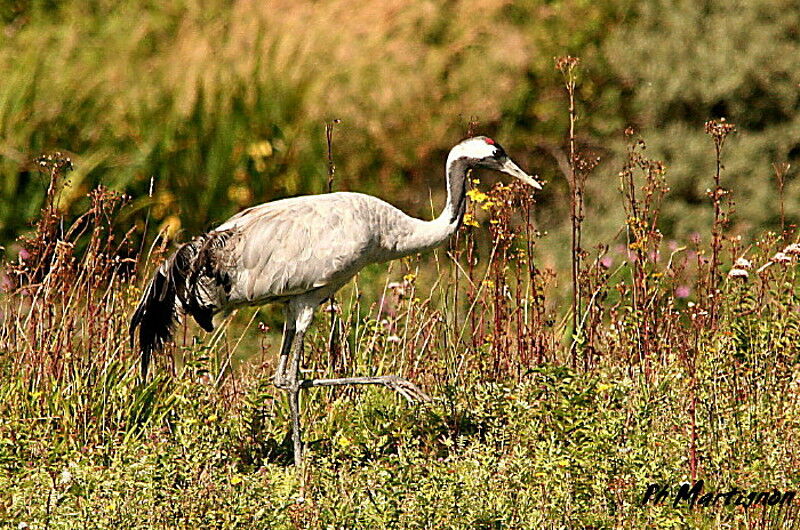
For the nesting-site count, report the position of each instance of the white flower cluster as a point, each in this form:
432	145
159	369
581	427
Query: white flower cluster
742	266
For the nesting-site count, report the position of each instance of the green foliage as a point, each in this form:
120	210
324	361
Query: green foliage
558	447
688	62
224	107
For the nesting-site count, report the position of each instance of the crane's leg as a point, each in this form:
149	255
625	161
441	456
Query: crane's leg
294	397
405	388
303	315
280	379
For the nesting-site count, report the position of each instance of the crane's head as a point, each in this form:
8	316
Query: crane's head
483	152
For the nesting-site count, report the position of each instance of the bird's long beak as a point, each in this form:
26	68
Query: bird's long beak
512	169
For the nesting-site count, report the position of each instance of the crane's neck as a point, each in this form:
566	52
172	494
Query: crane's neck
417	235
456	178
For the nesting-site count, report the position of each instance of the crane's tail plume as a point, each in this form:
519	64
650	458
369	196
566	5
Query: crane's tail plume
190	281
156	314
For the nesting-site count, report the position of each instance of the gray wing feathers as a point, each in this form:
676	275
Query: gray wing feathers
292	246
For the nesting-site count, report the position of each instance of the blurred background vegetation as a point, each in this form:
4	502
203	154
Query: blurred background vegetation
220	105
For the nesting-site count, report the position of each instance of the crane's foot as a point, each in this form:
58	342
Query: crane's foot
404	387
281	381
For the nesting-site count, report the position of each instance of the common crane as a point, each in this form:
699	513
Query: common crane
299	252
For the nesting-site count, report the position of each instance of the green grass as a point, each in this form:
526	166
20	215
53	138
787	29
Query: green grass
515	437
558	448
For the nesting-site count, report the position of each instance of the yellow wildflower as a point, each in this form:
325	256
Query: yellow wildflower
477	195
469	220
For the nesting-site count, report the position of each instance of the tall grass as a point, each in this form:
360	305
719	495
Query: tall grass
679	378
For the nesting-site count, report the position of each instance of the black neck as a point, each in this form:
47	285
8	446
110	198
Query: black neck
457	189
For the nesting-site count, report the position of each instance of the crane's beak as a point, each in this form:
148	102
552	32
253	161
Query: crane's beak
512	169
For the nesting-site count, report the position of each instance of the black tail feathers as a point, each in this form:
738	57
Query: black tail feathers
163	303
180	285
156	315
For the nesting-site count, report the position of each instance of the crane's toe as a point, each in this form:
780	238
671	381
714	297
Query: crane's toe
280	381
406	388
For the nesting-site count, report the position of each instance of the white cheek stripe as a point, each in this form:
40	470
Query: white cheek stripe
476	148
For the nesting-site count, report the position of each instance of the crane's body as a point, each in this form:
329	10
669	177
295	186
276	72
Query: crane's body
324	241
299	252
